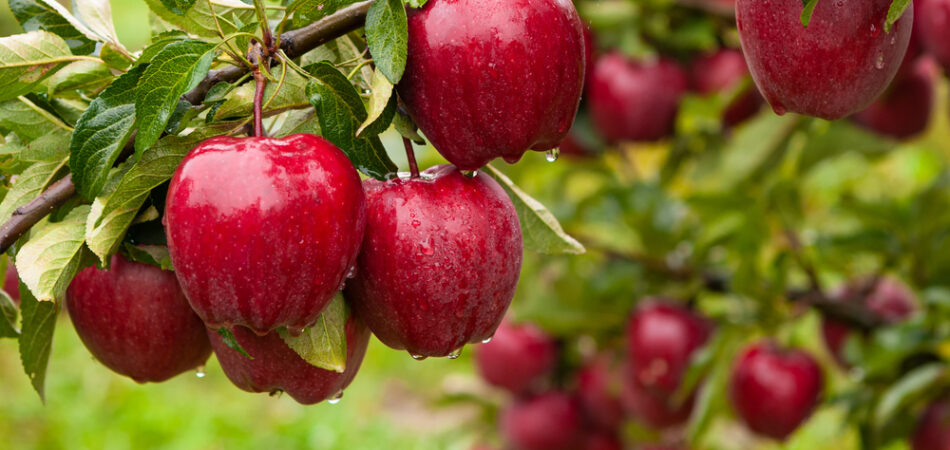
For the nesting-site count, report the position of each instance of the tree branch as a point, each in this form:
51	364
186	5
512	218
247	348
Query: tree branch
294	43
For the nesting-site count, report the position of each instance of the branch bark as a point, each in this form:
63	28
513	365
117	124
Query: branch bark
294	43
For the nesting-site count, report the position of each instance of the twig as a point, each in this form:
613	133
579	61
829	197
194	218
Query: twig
29	214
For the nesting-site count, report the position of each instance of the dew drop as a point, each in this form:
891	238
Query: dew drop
351	272
470	173
426	248
779	109
487	340
200	372
879	63
336	398
551	155
418	357
455	353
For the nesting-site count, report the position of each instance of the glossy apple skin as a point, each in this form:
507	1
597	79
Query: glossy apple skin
933	428
481	84
635	101
550	421
277	367
11	283
517	358
440	261
135	319
661	339
905	108
774	390
935	29
721	72
599	388
263	232
891	300
835	67
655	409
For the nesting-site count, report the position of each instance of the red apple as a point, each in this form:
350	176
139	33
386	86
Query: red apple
661	339
635	101
135	319
440	261
262	232
481	83
721	72
599	387
774	390
11	283
905	108
550	421
655	409
933	428
277	367
890	299
517	358
835	67
601	440
935	29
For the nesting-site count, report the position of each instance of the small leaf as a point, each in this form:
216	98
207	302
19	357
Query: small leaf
36	340
27	59
907	390
205	16
97	16
809	8
340	112
382	107
34	16
308	11
79	76
29	121
179	7
8	316
115	57
896	11
324	344
155	255
541	230
292	95
228	338
387	34
53	255
102	132
30	184
175	70
159	43
407	128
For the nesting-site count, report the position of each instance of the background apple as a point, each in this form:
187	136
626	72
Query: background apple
661	339
933	428
550	421
722	72
11	283
517	358
934	28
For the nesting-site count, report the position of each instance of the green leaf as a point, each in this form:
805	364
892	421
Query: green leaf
53	255
30	184
382	107
905	391
36	340
159	43
387	34
155	255
175	70
291	95
28	59
79	76
308	11
8	316
96	16
102	132
895	12
324	344
416	4
205	16
115	57
809	8
407	128
34	16
228	338
340	112
540	229
29	121
293	122
179	7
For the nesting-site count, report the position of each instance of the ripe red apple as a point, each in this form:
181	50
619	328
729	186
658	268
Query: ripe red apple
601	440
935	29
263	232
599	388
550	421
661	339
905	108
481	83
833	68
517	358
135	319
774	390
721	72
277	367
11	283
655	409
890	299
933	428
440	261
635	101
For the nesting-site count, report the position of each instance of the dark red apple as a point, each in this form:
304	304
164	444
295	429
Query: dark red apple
550	421
774	390
905	108
721	72
440	261
517	358
135	319
481	83
835	67
934	29
263	232
601	440
11	283
655	409
277	367
635	101
933	428
599	388
890	299
661	339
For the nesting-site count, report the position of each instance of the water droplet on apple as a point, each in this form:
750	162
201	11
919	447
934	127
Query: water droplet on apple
779	108
336	398
455	353
470	173
426	248
551	155
879	63
200	372
487	340
351	272
418	357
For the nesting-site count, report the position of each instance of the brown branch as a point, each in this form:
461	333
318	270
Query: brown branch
294	43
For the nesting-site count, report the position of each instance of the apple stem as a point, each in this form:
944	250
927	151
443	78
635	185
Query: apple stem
411	156
260	82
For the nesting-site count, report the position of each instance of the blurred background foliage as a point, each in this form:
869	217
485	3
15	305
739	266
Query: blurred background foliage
658	219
